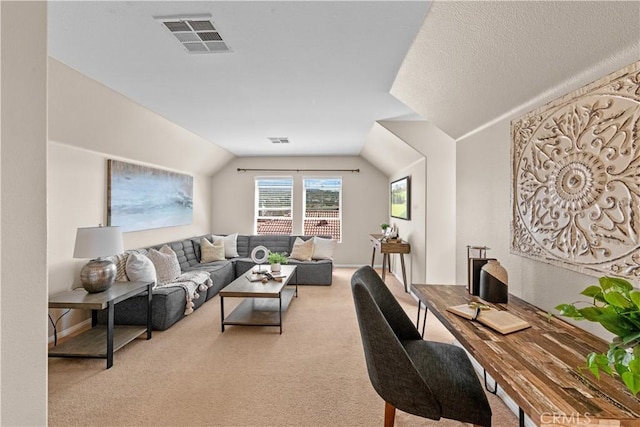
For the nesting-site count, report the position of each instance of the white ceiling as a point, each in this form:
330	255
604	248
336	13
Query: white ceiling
318	73
321	72
475	61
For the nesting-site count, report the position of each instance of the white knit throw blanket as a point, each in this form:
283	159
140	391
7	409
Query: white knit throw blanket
191	282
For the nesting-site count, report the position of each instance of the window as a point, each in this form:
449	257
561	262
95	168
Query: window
322	207
274	205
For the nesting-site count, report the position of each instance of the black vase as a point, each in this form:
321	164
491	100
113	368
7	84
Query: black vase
493	282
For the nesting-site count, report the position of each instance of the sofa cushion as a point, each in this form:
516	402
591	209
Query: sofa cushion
323	248
210	252
275	243
302	250
140	268
242	244
166	263
230	244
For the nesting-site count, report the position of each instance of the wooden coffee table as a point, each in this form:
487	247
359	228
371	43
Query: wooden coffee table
264	303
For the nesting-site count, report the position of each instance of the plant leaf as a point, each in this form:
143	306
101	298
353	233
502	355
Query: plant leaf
617	299
630	338
594	292
615	282
632	381
609	318
635	297
569	310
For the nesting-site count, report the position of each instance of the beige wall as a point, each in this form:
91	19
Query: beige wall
86	114
23	224
433	228
365	199
88	124
77	194
483	212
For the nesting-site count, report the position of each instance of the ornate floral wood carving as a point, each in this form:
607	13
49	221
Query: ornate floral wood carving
575	193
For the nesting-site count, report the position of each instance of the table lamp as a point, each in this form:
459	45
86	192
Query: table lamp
96	242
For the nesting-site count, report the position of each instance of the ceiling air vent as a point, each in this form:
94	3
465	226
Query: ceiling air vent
279	140
196	33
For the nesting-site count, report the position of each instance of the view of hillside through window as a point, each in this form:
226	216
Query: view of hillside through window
322	199
322	207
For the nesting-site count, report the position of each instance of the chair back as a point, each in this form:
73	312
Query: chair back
383	326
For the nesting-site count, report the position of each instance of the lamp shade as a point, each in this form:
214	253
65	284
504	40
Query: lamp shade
96	242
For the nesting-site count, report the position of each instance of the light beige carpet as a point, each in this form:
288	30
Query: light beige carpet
314	374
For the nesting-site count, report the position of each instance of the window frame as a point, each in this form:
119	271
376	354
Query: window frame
321	218
257	209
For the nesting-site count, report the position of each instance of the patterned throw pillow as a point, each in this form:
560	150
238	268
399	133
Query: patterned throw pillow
120	260
302	250
140	268
323	248
210	252
230	244
166	263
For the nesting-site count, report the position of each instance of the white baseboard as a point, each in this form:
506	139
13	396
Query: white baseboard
86	324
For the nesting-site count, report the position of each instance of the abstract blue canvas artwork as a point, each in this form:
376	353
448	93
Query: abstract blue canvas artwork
142	198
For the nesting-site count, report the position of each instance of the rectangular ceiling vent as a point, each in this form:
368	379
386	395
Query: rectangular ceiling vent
279	140
196	33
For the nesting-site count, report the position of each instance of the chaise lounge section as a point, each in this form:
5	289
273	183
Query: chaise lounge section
169	301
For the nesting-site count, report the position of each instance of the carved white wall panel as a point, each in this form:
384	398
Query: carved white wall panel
575	193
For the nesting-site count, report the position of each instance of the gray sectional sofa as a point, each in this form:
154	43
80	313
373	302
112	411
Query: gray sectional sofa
169	302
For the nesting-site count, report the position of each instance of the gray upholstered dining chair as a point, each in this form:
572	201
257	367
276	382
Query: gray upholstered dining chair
429	379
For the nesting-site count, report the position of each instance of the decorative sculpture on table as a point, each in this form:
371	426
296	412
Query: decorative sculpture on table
260	255
493	282
575	188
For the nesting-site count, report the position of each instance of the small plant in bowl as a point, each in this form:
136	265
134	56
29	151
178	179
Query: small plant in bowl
276	259
616	306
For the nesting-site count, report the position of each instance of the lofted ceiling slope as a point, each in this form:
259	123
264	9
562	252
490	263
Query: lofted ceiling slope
316	72
475	61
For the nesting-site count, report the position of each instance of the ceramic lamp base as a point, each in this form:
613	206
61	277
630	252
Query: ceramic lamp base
98	275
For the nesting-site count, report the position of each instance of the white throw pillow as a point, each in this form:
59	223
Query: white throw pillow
210	252
230	244
323	248
166	263
140	268
302	251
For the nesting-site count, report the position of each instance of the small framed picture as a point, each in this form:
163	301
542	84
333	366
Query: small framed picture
401	198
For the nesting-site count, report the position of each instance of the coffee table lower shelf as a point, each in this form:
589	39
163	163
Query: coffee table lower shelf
261	311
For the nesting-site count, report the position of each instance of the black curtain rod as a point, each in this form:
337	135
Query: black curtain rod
299	170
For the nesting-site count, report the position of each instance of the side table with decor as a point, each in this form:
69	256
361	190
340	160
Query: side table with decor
101	341
388	246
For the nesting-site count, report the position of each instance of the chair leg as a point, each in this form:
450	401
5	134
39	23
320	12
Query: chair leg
389	414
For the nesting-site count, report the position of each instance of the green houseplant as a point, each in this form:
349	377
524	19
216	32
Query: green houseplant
616	306
277	258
